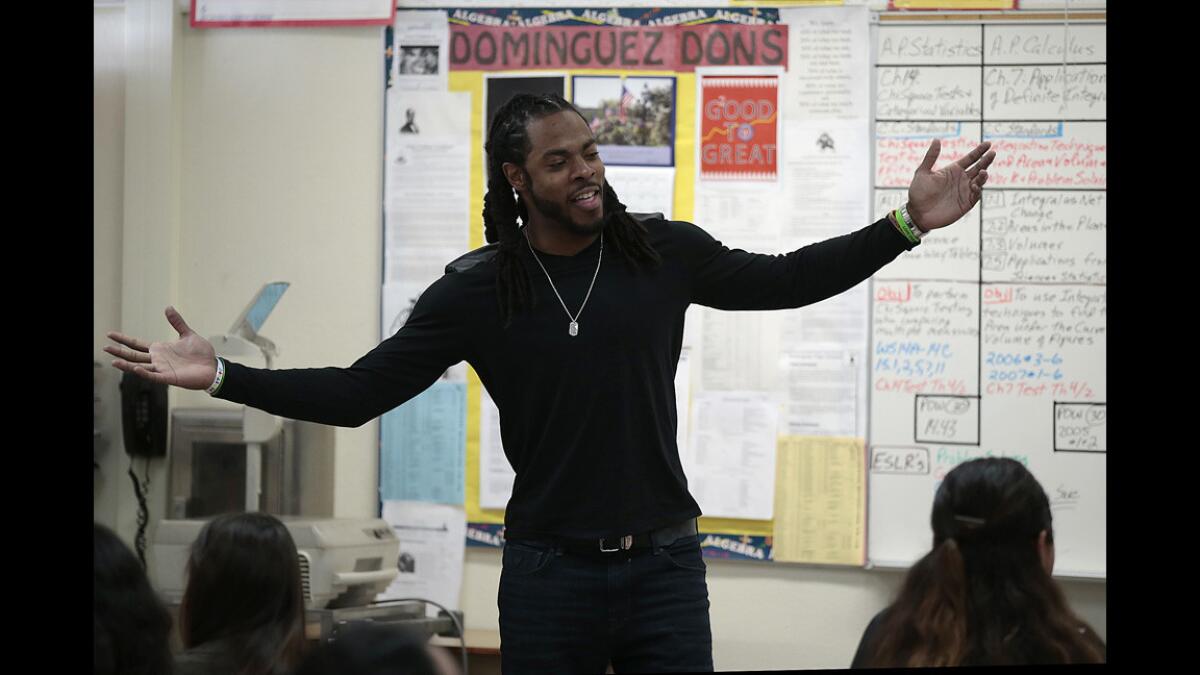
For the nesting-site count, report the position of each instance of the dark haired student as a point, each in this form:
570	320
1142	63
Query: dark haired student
242	611
131	627
984	595
574	323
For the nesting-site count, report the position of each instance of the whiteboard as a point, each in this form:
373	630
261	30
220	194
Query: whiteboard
990	338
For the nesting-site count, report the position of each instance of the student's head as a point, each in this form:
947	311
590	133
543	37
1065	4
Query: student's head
997	514
244	587
131	627
366	649
984	594
544	167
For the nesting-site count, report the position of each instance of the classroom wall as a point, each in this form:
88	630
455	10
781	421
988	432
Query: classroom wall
283	181
108	167
278	156
253	156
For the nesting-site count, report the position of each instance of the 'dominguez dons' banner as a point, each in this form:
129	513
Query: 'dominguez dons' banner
659	39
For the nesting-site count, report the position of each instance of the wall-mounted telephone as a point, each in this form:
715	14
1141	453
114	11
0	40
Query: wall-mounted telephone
143	416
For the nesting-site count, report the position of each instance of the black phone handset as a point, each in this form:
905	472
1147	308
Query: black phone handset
143	416
144	424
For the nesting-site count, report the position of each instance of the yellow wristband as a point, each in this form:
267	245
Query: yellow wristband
904	229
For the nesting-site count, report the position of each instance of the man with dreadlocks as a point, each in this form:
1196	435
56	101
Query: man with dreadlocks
573	319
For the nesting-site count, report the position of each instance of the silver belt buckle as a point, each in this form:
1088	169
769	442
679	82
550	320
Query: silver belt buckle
625	545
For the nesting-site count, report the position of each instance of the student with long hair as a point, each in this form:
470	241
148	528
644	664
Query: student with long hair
984	594
131	626
243	609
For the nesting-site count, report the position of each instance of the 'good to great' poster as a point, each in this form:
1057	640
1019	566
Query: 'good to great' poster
739	127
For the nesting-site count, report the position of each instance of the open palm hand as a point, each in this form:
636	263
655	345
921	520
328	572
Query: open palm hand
189	362
938	198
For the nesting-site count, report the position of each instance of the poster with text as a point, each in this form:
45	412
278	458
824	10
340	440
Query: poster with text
739	128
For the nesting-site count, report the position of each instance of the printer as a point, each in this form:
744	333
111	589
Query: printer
344	562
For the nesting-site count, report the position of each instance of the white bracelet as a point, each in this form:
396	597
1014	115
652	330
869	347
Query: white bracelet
219	379
916	229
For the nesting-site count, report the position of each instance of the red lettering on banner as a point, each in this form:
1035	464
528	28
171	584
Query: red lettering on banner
678	48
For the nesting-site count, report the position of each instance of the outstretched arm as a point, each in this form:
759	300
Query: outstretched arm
394	371
736	279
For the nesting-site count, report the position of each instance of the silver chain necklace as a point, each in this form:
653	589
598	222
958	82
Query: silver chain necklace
573	327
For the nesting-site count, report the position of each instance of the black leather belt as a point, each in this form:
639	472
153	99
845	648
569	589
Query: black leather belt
663	536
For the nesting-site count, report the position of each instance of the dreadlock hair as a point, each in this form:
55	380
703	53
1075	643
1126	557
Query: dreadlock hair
982	595
508	141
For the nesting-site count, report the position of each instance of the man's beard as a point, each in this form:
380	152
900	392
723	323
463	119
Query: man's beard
555	212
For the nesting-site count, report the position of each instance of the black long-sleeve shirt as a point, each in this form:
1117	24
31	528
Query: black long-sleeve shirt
588	422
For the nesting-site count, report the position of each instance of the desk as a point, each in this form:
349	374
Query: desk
323	624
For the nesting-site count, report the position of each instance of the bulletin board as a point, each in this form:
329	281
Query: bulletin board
772	128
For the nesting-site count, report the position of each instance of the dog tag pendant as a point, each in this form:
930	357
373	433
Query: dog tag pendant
573	329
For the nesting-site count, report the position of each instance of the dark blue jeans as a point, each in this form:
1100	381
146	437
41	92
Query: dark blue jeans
644	610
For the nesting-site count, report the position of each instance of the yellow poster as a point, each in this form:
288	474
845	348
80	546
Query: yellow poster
820	500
